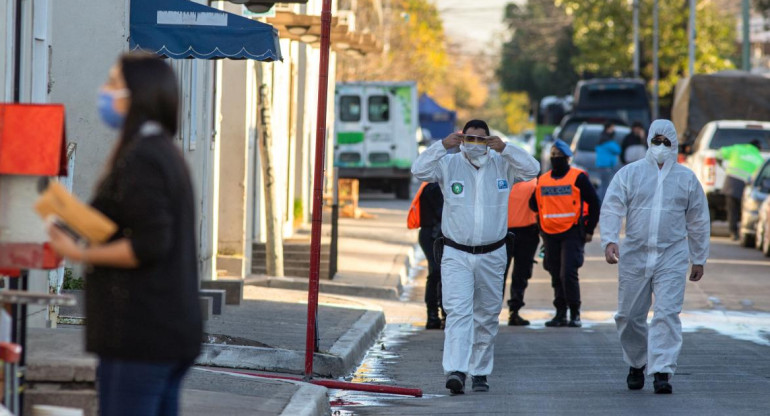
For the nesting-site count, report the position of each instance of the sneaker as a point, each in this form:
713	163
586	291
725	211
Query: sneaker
635	379
574	318
661	384
479	383
434	323
559	320
514	319
455	382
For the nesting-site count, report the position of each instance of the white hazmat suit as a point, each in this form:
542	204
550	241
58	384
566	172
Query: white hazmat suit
475	214
667	227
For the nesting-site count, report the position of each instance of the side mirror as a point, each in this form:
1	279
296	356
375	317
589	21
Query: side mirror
765	185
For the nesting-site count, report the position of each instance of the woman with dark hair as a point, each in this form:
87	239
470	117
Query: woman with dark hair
143	319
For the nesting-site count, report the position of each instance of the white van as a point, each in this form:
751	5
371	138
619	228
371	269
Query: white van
377	133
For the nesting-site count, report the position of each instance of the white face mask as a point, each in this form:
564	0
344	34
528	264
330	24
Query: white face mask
477	154
659	153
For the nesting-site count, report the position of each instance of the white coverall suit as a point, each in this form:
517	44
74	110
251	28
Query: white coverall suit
667	227
475	214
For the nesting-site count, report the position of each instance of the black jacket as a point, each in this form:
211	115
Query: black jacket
431	206
150	313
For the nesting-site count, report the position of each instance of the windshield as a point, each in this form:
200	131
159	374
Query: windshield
731	136
628	115
589	138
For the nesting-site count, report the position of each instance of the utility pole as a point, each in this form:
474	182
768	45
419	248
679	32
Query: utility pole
636	38
655	75
691	38
746	40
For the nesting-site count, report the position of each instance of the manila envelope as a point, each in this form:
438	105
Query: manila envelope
83	219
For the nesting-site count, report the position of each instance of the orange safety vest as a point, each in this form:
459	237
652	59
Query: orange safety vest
558	202
413	218
519	213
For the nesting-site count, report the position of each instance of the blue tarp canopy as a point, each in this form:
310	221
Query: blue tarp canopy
184	29
437	119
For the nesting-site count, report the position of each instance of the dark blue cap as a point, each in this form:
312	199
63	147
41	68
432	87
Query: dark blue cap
564	147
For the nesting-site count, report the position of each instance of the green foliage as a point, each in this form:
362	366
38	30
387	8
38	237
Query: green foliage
71	282
538	57
603	34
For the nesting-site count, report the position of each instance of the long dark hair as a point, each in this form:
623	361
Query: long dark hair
154	97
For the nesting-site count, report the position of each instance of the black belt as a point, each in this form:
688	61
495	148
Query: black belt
475	249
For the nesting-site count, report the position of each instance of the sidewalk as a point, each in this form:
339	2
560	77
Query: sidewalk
265	333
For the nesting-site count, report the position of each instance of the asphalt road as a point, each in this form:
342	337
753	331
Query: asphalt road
723	369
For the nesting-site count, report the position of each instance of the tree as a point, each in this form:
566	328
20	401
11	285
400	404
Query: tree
537	58
603	35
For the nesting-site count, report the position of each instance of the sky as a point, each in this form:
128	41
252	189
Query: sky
473	21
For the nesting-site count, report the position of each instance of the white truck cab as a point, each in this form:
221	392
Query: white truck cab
377	134
703	155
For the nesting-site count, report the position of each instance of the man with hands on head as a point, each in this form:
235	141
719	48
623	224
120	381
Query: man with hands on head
667	228
475	183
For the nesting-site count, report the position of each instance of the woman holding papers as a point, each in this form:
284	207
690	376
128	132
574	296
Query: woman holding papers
143	317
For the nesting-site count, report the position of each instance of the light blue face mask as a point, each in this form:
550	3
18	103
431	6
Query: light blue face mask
106	106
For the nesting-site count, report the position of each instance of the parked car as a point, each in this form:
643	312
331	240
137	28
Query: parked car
763	228
566	132
754	194
702	155
584	147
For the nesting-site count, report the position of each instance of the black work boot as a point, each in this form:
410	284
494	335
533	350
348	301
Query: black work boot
434	321
661	384
455	382
574	317
635	379
514	319
479	383
559	320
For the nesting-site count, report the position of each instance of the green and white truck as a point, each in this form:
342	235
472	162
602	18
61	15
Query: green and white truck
377	132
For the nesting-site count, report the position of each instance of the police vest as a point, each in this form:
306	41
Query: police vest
558	202
413	218
519	213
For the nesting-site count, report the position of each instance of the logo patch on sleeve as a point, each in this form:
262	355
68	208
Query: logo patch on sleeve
502	185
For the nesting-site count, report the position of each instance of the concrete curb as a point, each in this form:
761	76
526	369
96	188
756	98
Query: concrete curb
295	283
309	400
342	359
352	346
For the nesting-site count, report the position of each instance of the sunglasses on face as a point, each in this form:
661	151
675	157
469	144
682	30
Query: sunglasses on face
473	139
660	140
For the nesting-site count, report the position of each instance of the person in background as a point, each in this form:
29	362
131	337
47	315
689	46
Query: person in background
607	152
425	214
743	160
667	228
522	223
568	210
475	184
143	318
634	145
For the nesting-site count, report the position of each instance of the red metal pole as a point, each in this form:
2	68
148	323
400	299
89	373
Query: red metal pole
341	385
318	176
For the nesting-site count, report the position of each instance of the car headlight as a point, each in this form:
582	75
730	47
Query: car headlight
752	202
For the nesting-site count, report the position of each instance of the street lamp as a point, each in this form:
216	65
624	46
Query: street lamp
297	30
309	38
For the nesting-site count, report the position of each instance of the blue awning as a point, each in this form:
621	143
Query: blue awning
184	29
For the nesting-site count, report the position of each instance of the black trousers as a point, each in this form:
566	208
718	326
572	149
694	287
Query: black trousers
733	214
433	286
523	258
564	255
